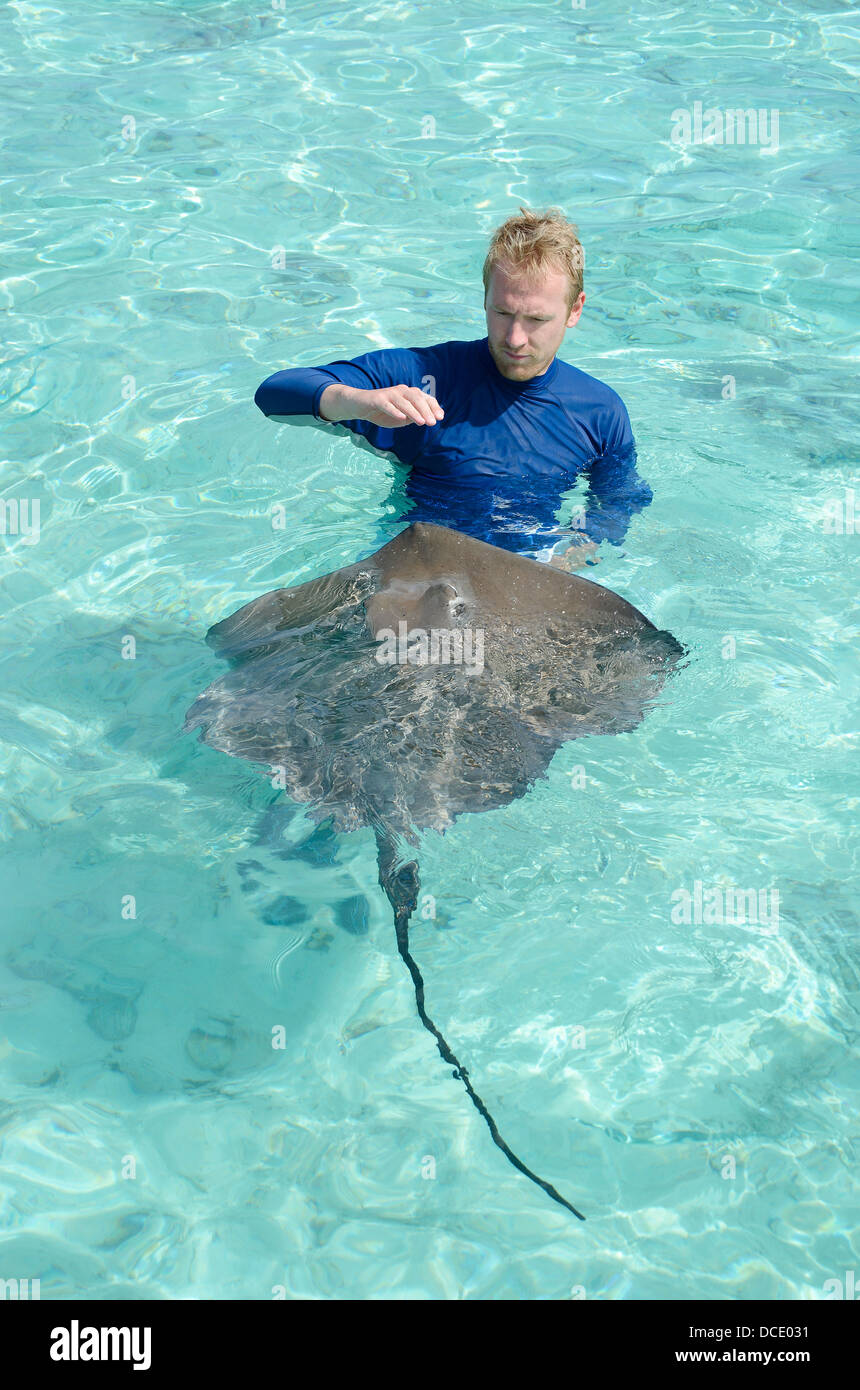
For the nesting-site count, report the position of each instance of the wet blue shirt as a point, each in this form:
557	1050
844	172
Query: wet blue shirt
498	463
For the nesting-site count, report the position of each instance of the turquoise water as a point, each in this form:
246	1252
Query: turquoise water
152	1143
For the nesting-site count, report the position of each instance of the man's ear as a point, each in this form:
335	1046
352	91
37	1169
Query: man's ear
576	310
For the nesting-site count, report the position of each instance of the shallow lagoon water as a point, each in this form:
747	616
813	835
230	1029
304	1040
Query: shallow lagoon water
280	198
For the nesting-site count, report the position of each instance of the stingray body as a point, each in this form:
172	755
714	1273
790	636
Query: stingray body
340	687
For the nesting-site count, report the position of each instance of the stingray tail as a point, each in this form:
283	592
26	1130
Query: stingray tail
401	884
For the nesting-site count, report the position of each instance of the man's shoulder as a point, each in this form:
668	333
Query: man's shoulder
456	349
449	365
384	366
587	390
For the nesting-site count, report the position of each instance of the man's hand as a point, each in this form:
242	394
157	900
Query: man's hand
576	556
391	406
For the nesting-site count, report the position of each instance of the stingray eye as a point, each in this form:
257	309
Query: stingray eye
458	608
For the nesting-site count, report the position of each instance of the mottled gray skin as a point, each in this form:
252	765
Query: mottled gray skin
429	575
411	747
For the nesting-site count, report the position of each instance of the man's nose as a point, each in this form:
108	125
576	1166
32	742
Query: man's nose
516	337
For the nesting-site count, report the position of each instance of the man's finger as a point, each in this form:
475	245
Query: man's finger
433	408
428	405
405	404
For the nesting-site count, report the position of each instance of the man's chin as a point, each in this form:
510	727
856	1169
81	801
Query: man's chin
516	371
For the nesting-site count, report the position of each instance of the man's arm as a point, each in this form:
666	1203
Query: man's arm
377	396
615	493
389	407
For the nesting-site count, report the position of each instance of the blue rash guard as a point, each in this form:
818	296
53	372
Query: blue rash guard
498	463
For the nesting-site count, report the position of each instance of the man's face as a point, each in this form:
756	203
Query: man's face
526	321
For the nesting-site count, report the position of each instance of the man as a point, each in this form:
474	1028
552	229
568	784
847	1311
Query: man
493	430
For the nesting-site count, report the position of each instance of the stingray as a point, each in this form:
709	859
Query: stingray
438	676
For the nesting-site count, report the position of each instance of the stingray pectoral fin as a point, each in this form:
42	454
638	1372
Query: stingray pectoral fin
258	625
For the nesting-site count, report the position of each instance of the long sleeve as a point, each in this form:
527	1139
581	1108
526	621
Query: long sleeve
297	392
616	492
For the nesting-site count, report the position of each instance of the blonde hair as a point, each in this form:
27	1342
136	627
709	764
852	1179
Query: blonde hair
534	243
